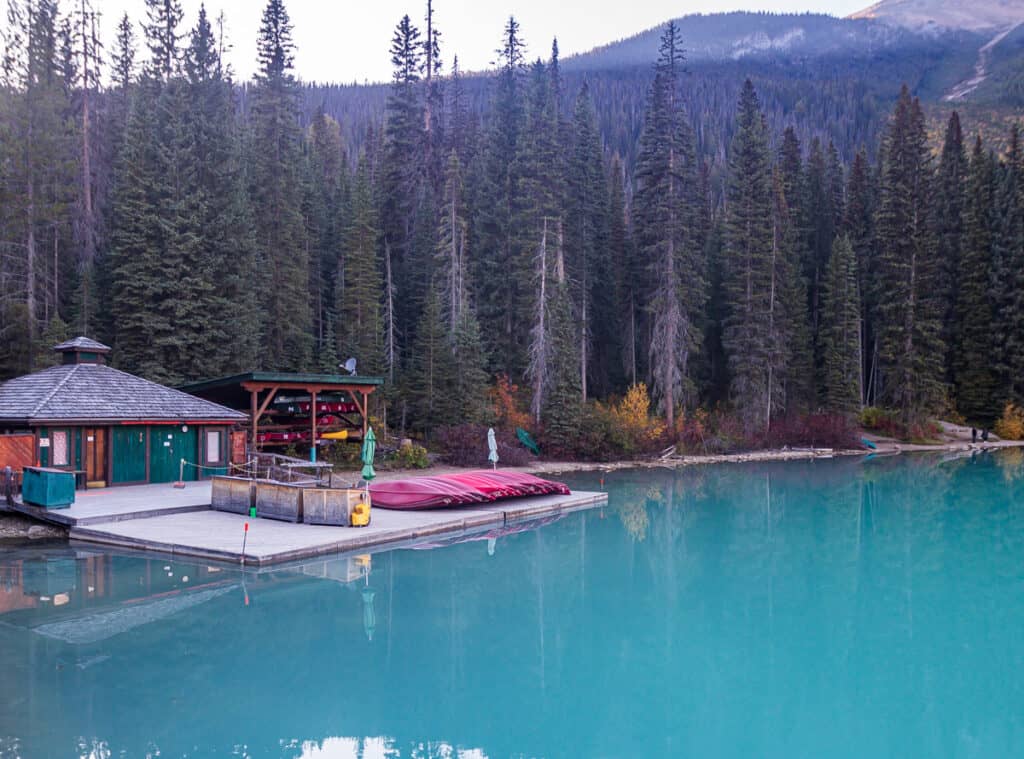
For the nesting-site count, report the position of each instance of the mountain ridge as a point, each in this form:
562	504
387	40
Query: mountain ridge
935	15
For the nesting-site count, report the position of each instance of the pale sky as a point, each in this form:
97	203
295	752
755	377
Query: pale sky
348	41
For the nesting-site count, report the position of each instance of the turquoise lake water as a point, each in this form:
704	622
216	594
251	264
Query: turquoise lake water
843	608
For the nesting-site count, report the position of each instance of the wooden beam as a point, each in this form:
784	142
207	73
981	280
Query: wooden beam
258	412
312	415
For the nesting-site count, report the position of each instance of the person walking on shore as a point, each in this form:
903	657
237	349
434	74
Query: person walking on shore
974	435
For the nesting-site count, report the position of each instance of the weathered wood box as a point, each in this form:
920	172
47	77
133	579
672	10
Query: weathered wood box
279	500
231	494
331	506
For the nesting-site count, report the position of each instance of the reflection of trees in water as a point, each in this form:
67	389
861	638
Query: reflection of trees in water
1011	462
633	515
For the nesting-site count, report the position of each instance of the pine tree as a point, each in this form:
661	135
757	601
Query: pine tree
360	329
665	218
909	303
858	226
402	188
840	330
282	252
587	251
819	227
326	189
431	376
452	264
1007	281
226	314
975	381
624	272
539	224
39	169
503	274
469	383
562	408
748	277
950	185
795	350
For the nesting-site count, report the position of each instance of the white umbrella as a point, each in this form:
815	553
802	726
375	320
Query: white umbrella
492	448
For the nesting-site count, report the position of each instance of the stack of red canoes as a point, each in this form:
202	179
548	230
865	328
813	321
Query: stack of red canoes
464	488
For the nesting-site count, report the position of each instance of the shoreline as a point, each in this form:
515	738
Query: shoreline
886	447
17	527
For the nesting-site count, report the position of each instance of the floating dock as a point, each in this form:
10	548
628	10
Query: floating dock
181	523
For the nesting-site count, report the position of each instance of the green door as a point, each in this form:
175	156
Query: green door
168	445
128	453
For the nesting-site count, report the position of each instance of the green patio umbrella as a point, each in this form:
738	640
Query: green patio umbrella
369	449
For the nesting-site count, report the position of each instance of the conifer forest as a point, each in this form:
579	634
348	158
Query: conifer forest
536	231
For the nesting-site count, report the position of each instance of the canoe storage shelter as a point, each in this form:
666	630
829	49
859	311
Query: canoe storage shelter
288	409
110	427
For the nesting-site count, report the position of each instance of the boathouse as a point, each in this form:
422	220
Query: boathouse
110	427
286	409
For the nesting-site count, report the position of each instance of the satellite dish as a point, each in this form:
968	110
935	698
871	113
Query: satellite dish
349	366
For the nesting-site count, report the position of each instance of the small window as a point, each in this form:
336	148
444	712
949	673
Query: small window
59	448
213	447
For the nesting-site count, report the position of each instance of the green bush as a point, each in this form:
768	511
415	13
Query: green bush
412	457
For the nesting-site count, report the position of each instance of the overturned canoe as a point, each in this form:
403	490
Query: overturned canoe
462	489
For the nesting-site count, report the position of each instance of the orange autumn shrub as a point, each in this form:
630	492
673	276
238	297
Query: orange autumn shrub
505	404
1011	425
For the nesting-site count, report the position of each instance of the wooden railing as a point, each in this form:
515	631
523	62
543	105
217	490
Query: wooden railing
280	468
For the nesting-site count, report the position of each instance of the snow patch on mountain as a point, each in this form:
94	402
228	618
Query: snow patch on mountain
761	42
937	15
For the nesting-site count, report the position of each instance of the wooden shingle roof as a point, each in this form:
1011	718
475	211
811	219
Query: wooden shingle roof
76	393
82	344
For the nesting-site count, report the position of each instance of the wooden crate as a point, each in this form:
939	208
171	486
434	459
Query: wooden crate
279	500
231	494
331	506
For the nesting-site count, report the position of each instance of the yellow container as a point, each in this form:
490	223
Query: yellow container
360	513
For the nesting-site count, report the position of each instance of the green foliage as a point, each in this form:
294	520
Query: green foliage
665	215
973	365
412	456
840	333
750	329
909	296
544	224
276	183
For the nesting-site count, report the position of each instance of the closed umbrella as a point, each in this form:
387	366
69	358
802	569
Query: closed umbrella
369	450
492	448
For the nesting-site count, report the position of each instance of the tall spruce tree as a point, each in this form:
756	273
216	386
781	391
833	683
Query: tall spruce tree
975	380
587	252
909	301
503	274
276	192
796	359
666	211
38	174
950	199
750	326
360	330
841	330
1007	281
227	340
858	226
402	190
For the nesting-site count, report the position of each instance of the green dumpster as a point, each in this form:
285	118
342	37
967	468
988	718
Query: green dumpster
46	487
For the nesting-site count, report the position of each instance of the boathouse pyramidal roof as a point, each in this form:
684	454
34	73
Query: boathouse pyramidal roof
81	391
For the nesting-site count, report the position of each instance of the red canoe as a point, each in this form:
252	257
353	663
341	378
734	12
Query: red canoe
464	488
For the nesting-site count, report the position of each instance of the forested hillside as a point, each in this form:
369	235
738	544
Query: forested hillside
768	237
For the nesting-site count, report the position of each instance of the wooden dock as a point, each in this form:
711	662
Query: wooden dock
181	523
